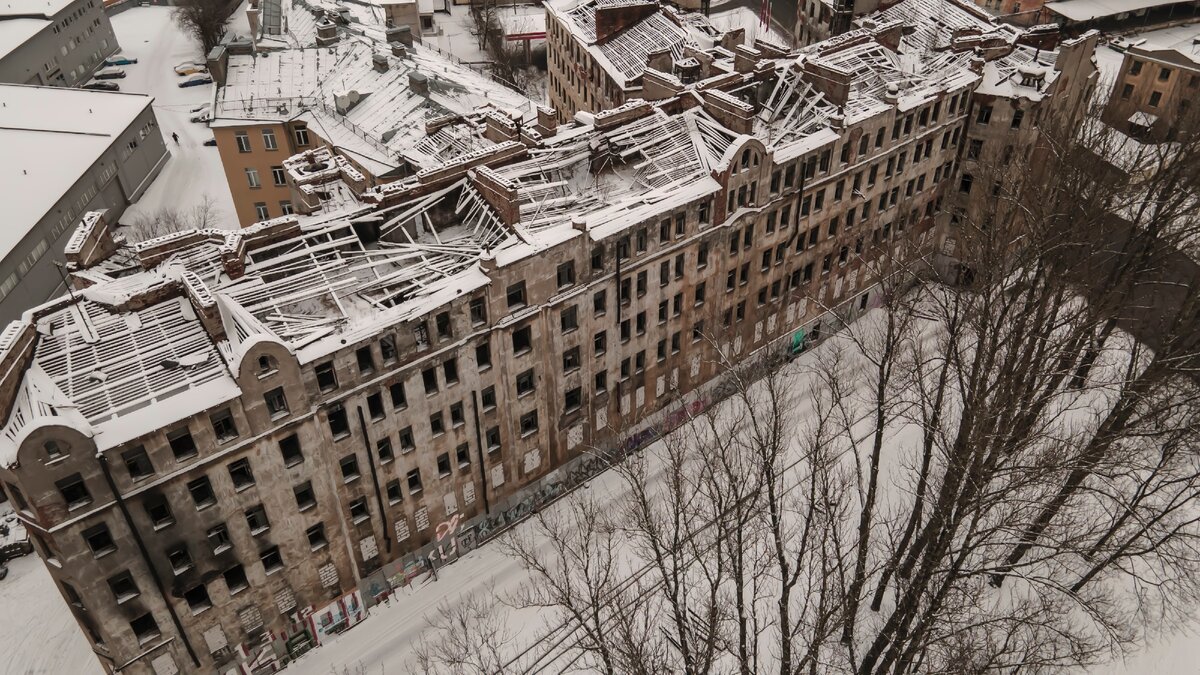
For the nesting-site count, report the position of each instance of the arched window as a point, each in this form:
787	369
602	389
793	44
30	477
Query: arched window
266	364
54	449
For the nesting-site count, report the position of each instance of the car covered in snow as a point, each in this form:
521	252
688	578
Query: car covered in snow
102	85
110	73
196	80
212	142
119	60
190	68
200	116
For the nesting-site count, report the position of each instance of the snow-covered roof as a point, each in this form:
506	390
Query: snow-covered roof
930	24
623	55
51	136
1025	73
1183	40
16	32
386	122
1087	10
46	8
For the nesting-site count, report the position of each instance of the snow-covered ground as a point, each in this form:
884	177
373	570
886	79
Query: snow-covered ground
38	635
194	170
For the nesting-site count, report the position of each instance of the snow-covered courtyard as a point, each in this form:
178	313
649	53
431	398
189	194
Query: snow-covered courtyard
40	637
194	171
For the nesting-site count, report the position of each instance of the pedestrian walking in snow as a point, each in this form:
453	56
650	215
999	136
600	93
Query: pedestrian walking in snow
176	137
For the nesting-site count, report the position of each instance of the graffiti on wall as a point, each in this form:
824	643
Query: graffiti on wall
337	616
582	470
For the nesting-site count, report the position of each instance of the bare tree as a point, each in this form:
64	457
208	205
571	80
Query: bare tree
204	20
989	472
205	214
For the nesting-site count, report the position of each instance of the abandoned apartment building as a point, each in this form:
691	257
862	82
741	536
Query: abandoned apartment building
219	436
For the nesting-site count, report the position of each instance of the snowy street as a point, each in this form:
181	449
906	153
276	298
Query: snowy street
194	170
40	635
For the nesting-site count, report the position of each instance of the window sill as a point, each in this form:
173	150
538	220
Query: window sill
55	460
319	546
273	570
181	570
350	479
126	598
342	436
243	487
288	465
306	507
360	519
239	589
261	530
222	548
205	506
415	491
158	527
279	415
198	612
446	474
78	505
527	434
142	641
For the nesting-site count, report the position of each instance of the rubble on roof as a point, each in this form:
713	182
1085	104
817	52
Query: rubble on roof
162	325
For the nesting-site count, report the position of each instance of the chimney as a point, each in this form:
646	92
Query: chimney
326	32
418	82
744	58
379	62
400	34
399	50
218	61
547	120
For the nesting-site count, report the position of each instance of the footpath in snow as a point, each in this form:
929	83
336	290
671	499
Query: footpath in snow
194	171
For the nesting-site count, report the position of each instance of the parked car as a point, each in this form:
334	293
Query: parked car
196	80
202	116
111	73
102	85
190	68
212	142
119	60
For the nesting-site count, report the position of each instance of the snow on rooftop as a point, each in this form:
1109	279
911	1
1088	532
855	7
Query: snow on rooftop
385	123
623	55
1183	39
46	8
50	137
1087	10
16	32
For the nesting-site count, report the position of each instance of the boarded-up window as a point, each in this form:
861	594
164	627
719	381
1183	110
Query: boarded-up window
469	494
251	620
533	459
285	600
402	529
328	575
498	475
369	548
451	502
215	639
163	664
422	516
